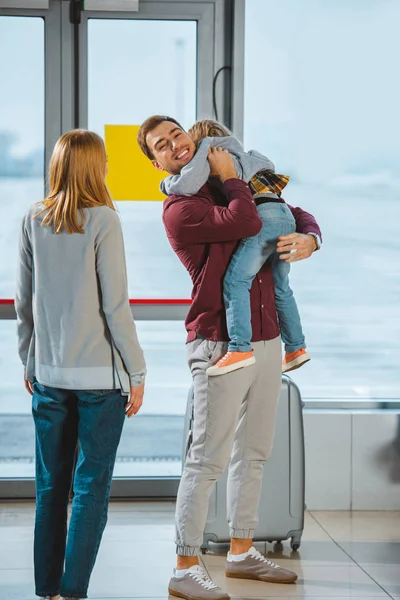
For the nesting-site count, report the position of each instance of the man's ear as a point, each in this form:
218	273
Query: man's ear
157	165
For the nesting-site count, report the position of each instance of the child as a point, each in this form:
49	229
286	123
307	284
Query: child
252	253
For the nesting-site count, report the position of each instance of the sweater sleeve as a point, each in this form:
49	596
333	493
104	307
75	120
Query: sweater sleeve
196	173
192	177
23	295
111	270
264	161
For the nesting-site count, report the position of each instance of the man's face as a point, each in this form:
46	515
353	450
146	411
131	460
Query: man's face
171	147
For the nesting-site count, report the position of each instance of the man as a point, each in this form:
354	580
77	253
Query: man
234	415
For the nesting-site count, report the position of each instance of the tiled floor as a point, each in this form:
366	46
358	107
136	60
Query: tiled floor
343	555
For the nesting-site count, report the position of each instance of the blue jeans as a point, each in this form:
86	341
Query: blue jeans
248	259
94	418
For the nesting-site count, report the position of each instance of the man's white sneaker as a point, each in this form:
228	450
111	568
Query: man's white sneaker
195	585
256	566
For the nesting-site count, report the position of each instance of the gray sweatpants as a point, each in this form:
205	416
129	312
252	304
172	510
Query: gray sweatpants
234	419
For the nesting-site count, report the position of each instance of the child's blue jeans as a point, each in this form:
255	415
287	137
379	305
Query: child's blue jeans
63	563
248	259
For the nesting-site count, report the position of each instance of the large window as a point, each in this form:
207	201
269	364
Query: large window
321	100
21	184
129	65
139	85
21	133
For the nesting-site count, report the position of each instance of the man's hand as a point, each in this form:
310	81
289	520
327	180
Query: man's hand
28	385
221	164
296	246
135	401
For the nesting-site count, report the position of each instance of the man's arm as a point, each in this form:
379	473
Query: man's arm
198	220
307	239
305	222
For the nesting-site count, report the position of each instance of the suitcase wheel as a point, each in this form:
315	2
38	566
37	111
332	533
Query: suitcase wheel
203	550
295	547
295	544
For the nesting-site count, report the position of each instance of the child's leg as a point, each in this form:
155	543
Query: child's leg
244	266
289	318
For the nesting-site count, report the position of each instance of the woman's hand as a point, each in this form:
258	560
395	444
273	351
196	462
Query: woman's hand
28	385
135	400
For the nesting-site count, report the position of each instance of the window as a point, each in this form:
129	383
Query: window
125	86
21	184
21	133
325	110
138	85
123	79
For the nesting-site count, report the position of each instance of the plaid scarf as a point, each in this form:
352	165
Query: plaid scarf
268	181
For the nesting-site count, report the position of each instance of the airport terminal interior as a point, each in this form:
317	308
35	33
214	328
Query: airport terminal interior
312	85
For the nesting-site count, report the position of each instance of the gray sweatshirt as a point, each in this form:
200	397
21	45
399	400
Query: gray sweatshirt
75	326
195	174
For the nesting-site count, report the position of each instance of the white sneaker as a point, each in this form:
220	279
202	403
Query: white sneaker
195	585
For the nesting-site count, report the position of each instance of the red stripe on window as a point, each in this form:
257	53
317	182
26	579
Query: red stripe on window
155	301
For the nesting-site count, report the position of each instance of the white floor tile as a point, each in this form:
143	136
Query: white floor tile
137	556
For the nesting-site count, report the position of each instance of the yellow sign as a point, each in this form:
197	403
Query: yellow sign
131	176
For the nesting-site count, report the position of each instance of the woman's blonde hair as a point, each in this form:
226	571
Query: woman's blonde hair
76	181
207	128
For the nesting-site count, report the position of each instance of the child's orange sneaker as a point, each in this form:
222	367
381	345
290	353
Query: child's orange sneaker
231	362
294	360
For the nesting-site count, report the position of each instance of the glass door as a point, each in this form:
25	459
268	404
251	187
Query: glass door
29	125
107	71
132	66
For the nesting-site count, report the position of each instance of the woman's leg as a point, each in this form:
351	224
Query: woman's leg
101	418
56	423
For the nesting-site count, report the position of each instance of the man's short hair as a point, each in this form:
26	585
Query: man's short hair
148	126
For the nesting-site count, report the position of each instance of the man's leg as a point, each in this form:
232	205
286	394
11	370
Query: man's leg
253	441
252	447
217	403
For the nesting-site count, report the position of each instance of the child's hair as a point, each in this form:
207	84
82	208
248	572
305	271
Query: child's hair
207	128
76	181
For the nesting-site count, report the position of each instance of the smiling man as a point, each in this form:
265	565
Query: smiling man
234	414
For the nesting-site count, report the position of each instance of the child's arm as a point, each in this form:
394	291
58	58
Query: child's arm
196	173
192	177
247	164
264	159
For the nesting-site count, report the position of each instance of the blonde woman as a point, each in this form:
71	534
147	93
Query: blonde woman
83	362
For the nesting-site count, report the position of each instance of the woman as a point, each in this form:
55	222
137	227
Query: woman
83	362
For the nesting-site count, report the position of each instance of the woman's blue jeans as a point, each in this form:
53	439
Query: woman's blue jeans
64	558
